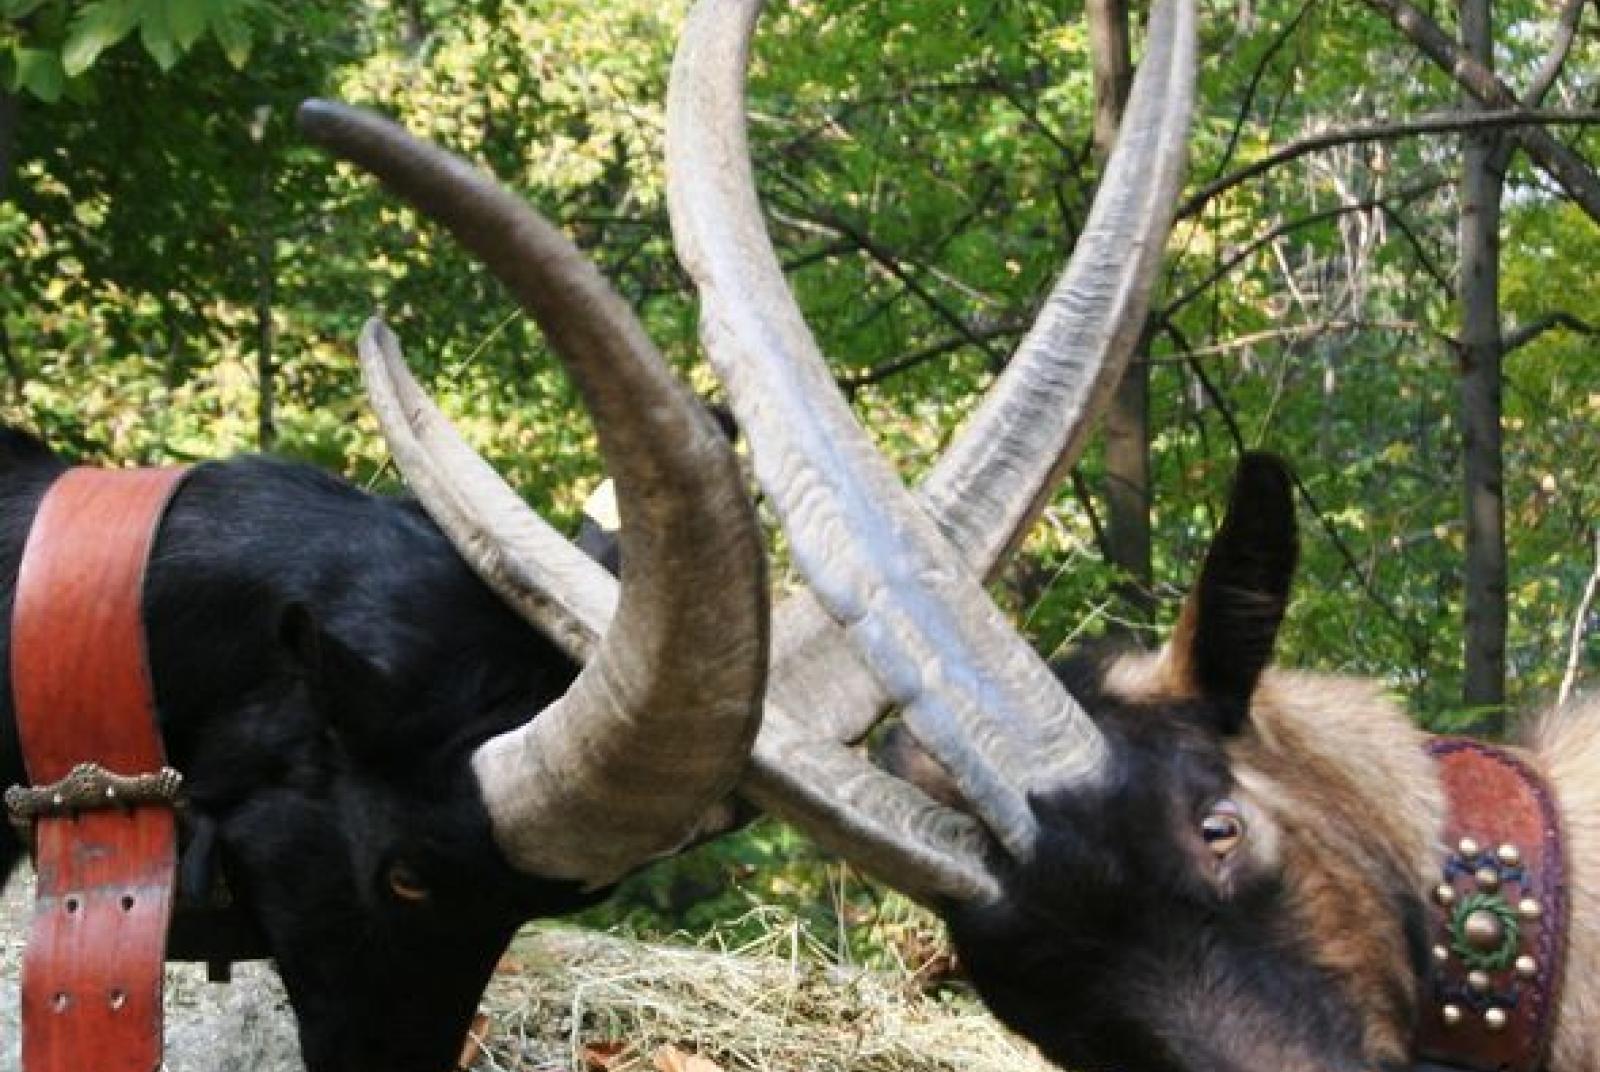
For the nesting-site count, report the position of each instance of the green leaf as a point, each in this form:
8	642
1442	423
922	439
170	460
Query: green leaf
39	72
156	33
188	20
234	35
20	9
98	26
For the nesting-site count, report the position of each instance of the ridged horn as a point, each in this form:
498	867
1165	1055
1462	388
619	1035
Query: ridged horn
973	691
989	487
659	723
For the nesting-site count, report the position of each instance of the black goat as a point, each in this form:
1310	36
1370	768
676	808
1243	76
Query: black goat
386	757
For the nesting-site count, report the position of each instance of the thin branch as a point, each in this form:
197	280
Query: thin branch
1530	331
1210	389
825	252
1429	265
1350	561
1560	162
890	262
1256	77
1244	252
1085	497
1035	120
1363	578
1438	123
1297	333
1550	69
1579	627
878	373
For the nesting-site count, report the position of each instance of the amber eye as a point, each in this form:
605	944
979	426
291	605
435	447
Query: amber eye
406	884
1223	827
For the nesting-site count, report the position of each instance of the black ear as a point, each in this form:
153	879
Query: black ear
1225	636
347	690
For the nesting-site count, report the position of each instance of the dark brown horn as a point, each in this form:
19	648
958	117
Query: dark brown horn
660	722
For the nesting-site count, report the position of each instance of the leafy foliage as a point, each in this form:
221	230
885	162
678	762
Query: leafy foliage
926	166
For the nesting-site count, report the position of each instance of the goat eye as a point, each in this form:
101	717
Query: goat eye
406	884
1223	827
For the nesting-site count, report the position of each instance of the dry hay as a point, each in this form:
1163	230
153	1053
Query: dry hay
571	999
780	1004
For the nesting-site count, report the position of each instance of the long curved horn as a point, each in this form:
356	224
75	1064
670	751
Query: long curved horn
659	723
976	695
990	485
557	588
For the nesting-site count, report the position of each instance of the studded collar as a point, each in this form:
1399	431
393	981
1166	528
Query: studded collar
1498	916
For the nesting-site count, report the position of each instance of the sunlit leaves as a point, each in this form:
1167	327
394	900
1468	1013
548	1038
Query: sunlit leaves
924	163
96	27
54	44
38	71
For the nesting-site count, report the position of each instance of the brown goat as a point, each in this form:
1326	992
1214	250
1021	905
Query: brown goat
1181	862
1341	800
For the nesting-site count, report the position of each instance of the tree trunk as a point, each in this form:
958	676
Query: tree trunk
13	367
1127	420
10	110
267	431
1483	685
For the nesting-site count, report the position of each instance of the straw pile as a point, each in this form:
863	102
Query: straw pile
575	1001
566	1000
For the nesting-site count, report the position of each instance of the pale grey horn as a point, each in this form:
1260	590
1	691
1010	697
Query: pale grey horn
973	691
990	486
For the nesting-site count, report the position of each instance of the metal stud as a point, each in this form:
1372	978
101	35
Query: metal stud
1528	908
1509	855
1445	894
1487	878
1527	967
1468	848
1478	981
1496	1019
1451	1015
1484	931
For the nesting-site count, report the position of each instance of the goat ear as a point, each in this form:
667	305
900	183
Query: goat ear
347	690
1230	621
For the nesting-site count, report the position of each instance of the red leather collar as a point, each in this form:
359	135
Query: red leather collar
1499	915
104	847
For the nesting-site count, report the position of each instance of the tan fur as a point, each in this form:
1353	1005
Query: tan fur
1341	798
1566	746
1351	798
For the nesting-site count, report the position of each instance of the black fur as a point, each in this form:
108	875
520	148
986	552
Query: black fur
1243	589
1125	944
1113	950
324	666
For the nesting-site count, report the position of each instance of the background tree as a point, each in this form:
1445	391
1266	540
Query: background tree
180	278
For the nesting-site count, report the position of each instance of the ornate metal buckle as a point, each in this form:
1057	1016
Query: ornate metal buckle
90	787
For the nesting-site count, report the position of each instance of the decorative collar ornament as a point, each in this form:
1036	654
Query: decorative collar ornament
1498	915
